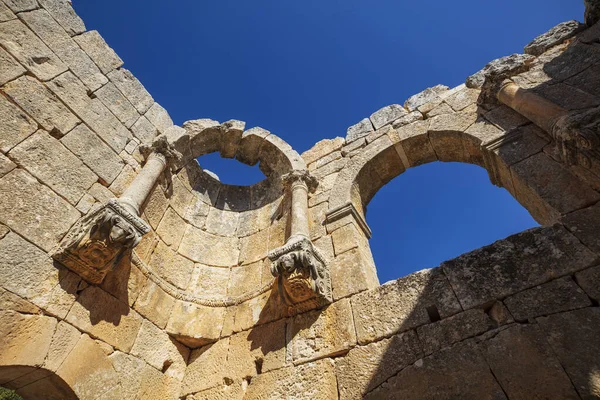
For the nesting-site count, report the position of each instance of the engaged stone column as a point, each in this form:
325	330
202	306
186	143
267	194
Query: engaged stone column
97	242
303	279
576	133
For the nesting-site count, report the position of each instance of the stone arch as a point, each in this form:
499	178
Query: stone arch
33	383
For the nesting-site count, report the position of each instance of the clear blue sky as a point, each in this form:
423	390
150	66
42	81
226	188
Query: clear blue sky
306	70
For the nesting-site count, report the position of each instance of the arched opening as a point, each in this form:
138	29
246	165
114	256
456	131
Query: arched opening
32	383
438	211
230	171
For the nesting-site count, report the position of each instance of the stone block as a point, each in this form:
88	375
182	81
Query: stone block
47	159
550	298
500	314
205	367
195	325
255	247
171	266
256	351
359	130
456	373
574	339
88	370
250	143
6	165
245	279
589	280
387	115
21	5
454	329
64	340
211	282
318	334
567	96
366	367
582	224
55	37
95	114
41	104
159	117
122	181
156	348
100	193
413	141
222	222
462	99
106	318
12	302
5	13
514	264
114	100
9	67
100	158
426	96
312	381
25	339
554	36
33	210
587	80
347	238
521	144
322	149
209	249
30	51
171	228
440	109
155	206
86	203
132	89
60	299
180	197
62	11
506	118
353	272
404	304
547	189
94	45
524	365
233	391
154	303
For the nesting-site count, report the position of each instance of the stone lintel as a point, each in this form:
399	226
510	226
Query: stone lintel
348	209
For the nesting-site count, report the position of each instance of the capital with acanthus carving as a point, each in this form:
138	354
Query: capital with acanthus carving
162	147
303	279
577	136
98	241
301	176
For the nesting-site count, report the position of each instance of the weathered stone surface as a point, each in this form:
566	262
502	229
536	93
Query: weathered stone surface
112	98
12	302
500	69
180	197
233	391
352	272
387	115
592	12
64	340
6	14
103	316
589	280
171	266
516	263
550	298
132	89
59	300
245	279
257	351
55	37
314	381
462	99
195	325
566	96
363	128
317	334
322	149
524	365
70	90
453	329
413	141
366	367
222	222
47	159
574	340
209	249
21	5
407	119
6	165
100	193
62	11
42	104
456	373
159	117
205	367
426	96
155	206
9	68
209	281
540	185
171	228
254	247
30	51
440	109
402	305
94	45
122	181
88	370
25	339
33	210
154	303
554	36
86	145
144	130
159	350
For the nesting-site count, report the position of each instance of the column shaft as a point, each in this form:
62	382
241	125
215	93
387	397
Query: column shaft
299	225
137	192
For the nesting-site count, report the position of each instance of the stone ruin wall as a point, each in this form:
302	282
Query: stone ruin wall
193	312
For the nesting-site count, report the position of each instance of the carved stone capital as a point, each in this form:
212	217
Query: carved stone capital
300	176
303	279
97	242
577	136
162	147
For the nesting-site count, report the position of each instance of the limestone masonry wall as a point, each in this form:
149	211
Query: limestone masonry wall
194	311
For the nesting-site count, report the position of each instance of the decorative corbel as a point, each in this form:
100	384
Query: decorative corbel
303	279
98	241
